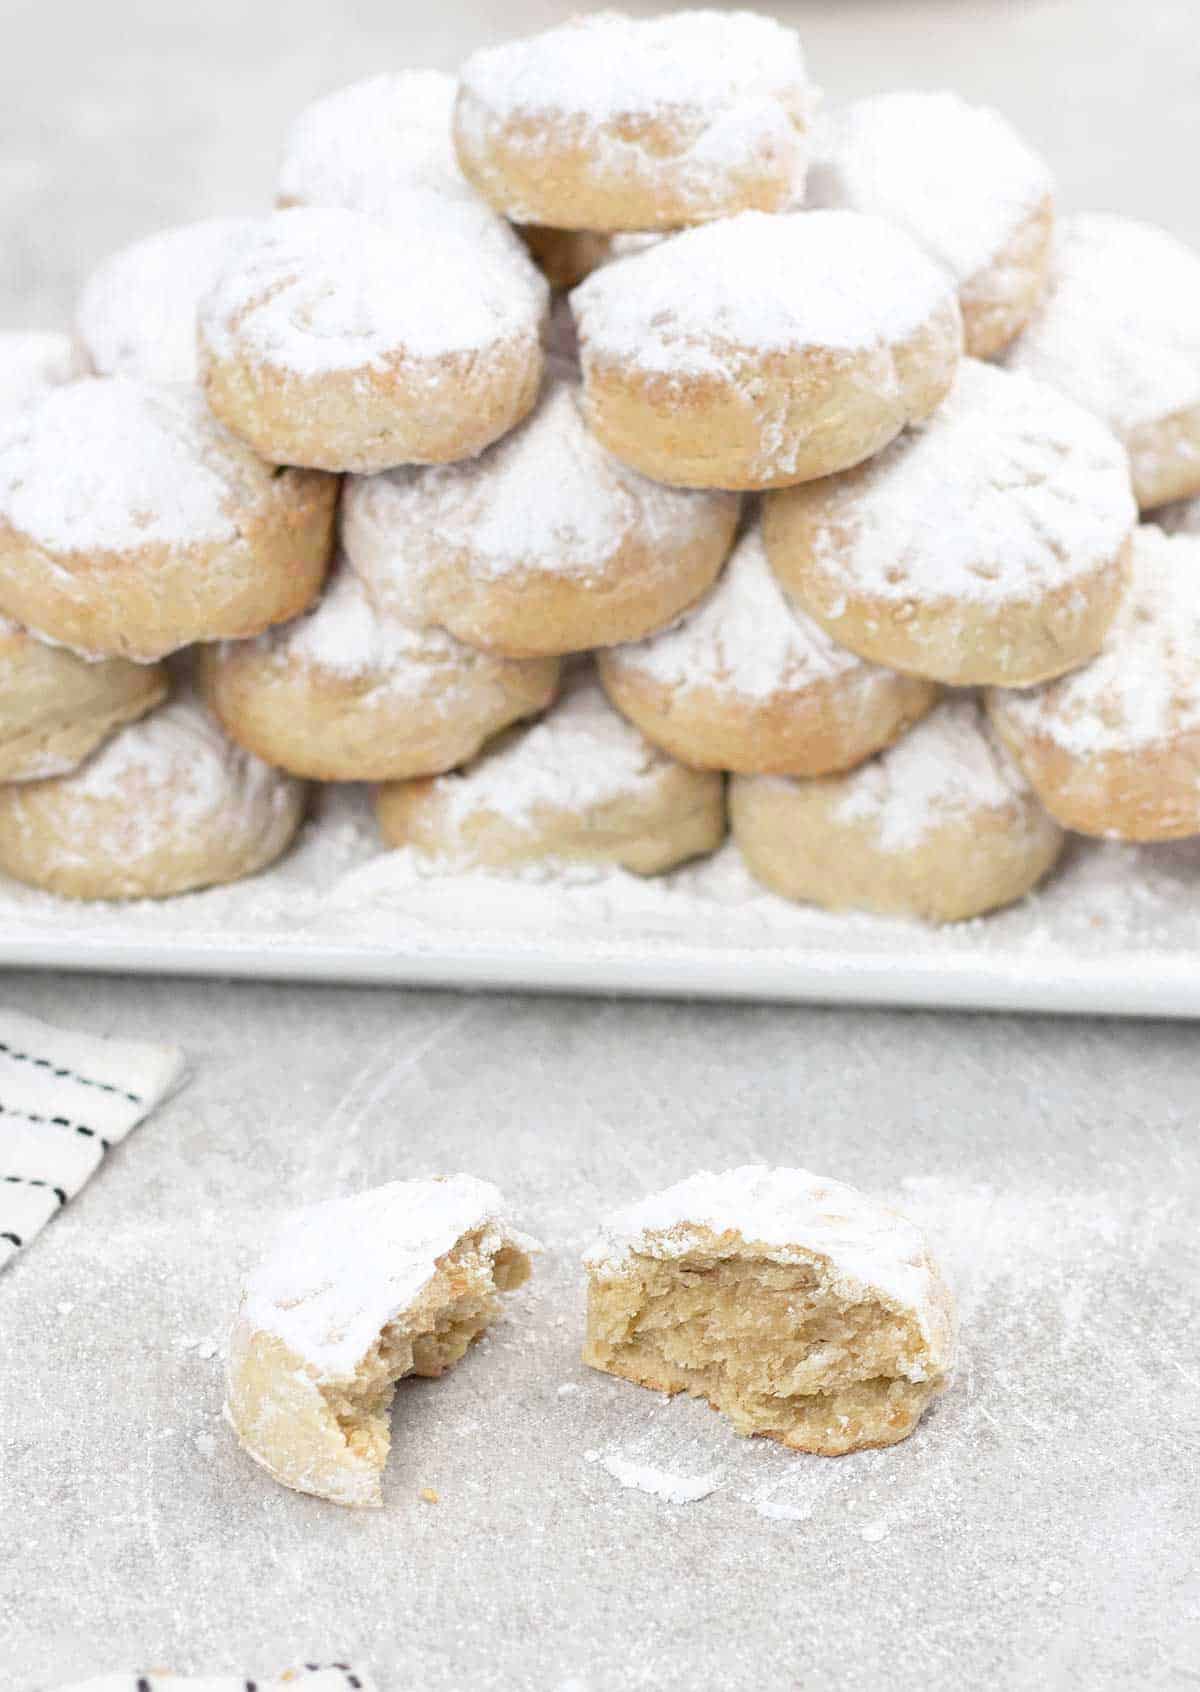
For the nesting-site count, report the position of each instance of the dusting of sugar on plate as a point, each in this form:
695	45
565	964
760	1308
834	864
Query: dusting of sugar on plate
659	1483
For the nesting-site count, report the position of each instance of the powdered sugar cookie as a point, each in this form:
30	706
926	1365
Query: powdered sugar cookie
346	693
352	1296
798	1307
324	343
761	350
581	784
363	146
942	826
56	707
137	312
961	181
988	544
1119	333
168	804
30	362
383	146
743	682
544	543
609	122
1114	748
132	524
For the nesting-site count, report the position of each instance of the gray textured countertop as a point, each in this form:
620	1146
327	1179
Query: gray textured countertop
1040	1529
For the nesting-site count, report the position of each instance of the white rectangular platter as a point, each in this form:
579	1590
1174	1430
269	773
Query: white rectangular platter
1116	930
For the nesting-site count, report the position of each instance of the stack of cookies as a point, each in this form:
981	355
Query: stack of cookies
596	446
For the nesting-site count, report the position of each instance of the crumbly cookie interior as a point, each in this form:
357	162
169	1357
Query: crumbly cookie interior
773	1345
459	1303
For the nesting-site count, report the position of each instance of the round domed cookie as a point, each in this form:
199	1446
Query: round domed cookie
132	523
346	693
137	313
382	146
56	707
582	784
543	544
1114	748
744	682
346	342
30	362
609	122
364	144
1118	331
167	805
941	826
761	351
962	182
987	544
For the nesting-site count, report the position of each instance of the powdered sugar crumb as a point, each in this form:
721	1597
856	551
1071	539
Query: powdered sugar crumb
660	1483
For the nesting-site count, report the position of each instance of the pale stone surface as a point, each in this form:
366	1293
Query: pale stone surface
1039	1530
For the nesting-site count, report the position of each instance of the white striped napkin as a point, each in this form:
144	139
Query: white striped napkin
65	1099
311	1677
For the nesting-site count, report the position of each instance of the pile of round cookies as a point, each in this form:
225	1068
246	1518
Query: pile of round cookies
597	446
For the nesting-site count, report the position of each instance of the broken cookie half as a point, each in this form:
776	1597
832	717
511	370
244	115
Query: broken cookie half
802	1309
353	1295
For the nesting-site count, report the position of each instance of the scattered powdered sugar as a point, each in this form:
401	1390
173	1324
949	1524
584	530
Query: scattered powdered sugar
1007	492
338	1272
360	145
744	636
787	1216
660	1483
701	301
732	87
31	362
949	767
1118	330
547	498
137	313
1144	687
108	464
319	290
957	177
580	754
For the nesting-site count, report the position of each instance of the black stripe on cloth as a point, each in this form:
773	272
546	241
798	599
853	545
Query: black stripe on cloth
59	1122
15	1238
64	1074
32	1181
